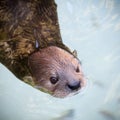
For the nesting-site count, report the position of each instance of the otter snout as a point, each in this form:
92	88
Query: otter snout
74	86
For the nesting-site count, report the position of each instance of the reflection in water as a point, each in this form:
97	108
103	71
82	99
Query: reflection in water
108	115
69	115
91	27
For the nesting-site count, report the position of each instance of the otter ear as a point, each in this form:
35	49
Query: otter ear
75	53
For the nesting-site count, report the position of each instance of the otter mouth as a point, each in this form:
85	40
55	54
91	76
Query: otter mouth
79	91
59	94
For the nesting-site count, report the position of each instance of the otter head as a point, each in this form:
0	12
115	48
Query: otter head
56	71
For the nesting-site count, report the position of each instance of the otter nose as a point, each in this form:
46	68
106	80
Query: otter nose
74	85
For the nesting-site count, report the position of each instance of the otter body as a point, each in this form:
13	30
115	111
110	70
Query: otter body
31	47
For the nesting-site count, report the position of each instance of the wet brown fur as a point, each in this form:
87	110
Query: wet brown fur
22	22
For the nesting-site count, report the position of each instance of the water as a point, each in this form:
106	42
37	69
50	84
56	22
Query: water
92	27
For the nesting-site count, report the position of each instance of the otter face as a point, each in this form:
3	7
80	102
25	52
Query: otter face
56	71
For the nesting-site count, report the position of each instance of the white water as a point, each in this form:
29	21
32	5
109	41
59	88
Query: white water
92	27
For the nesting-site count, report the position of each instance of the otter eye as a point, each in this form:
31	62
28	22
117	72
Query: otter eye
53	80
77	70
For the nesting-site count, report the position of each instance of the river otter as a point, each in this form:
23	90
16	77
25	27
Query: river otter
31	47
